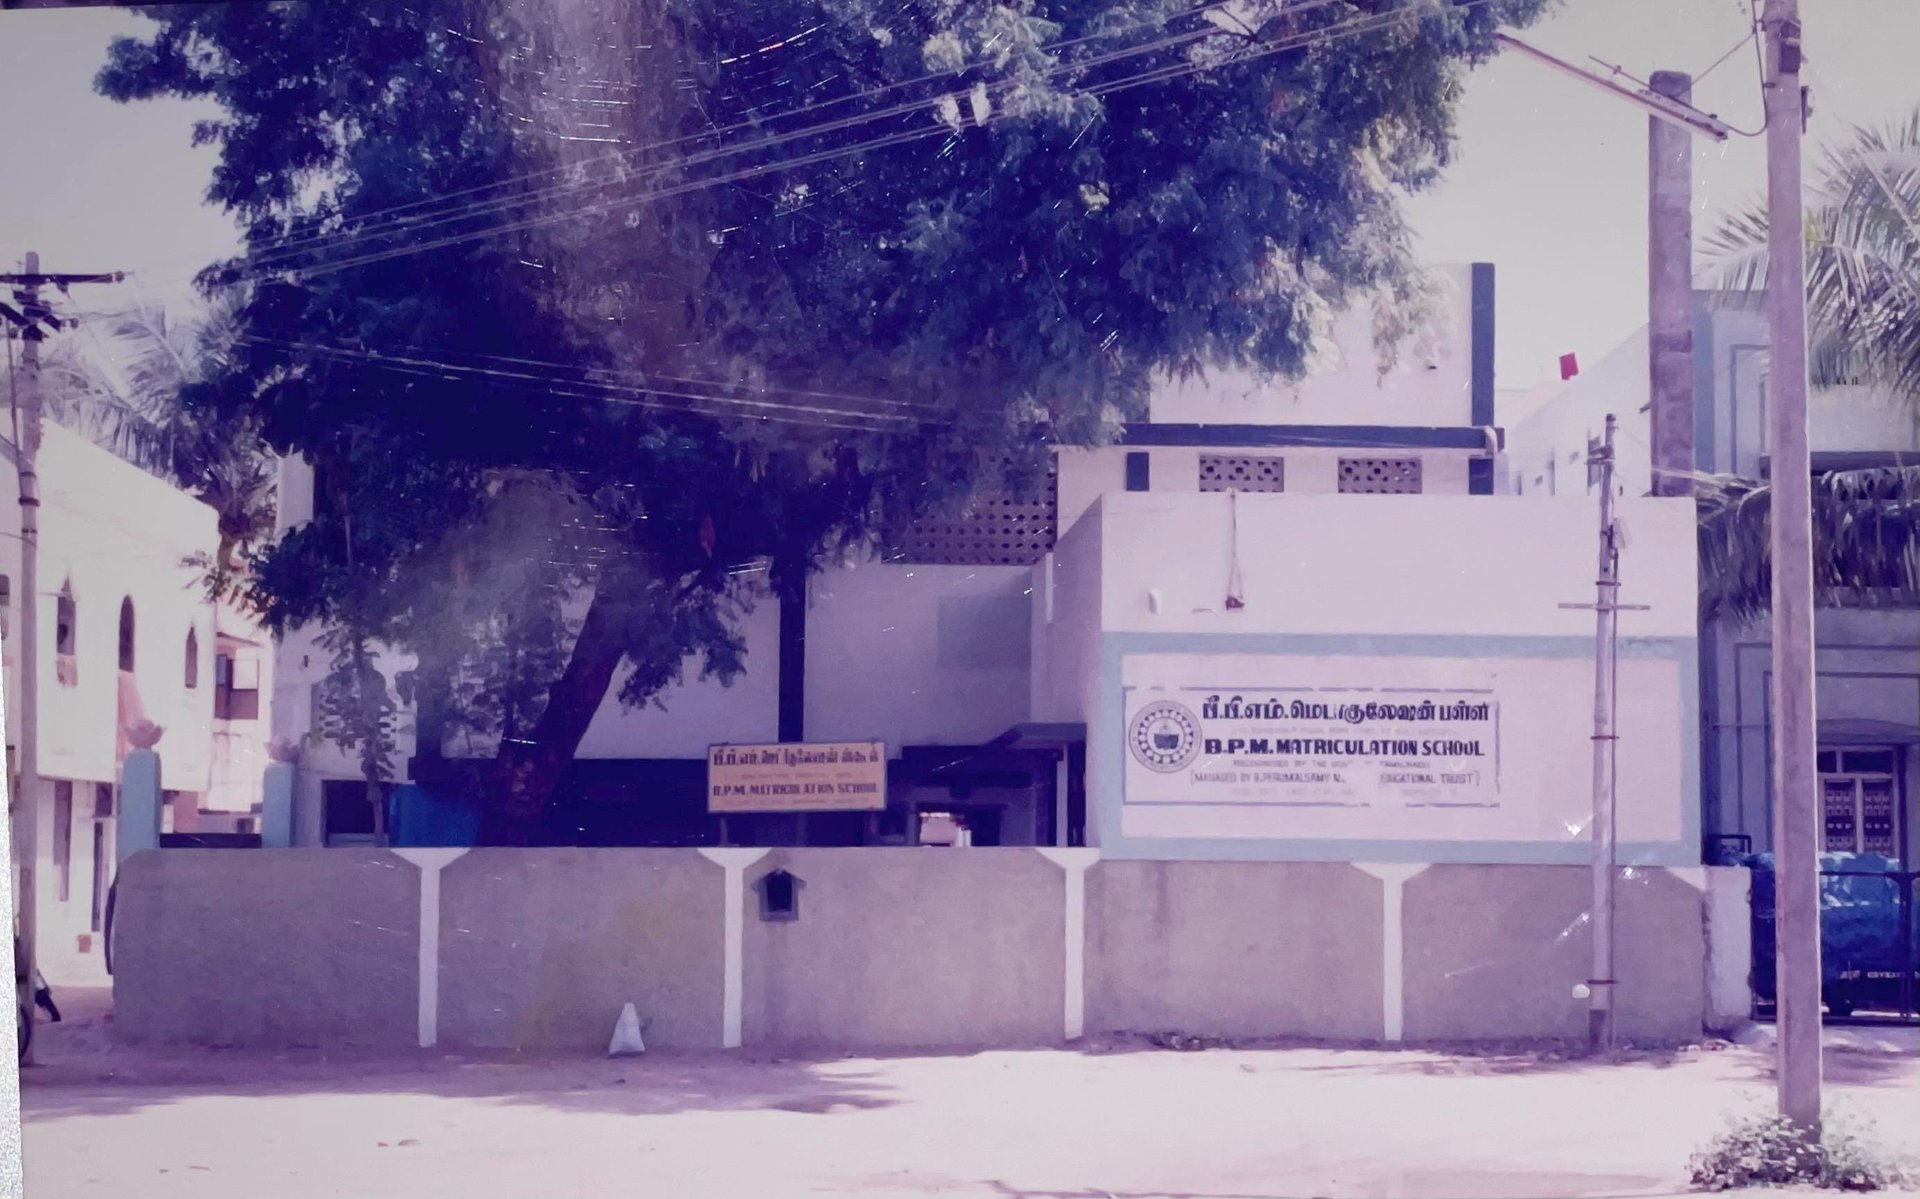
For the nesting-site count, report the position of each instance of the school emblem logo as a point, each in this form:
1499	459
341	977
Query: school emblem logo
1164	736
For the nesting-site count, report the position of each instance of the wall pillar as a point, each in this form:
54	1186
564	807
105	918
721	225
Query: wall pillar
140	804
1393	878
733	980
309	810
276	805
1074	863
430	863
1728	896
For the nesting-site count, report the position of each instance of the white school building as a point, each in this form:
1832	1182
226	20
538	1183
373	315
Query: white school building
1269	720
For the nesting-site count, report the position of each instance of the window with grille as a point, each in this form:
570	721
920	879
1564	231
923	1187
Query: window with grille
1380	476
1859	804
1242	472
996	528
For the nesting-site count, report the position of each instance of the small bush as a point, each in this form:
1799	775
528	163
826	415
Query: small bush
1771	1151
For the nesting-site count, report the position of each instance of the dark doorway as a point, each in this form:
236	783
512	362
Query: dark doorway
99	873
984	824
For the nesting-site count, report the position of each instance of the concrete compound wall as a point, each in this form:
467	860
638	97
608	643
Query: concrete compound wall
267	947
899	947
892	948
543	948
1235	948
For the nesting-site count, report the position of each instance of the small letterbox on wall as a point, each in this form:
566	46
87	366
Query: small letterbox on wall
779	895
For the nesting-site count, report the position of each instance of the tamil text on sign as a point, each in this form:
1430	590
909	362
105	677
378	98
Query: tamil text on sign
1300	731
797	778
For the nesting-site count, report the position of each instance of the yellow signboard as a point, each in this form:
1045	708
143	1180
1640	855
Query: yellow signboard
850	776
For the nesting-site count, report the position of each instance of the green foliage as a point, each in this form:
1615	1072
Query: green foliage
1863	261
1866	541
1863	307
1771	1150
813	294
125	381
355	709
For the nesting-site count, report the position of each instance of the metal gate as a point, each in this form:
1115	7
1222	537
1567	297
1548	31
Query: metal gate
1869	942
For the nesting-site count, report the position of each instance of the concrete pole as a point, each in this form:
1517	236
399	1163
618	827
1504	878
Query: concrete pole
26	831
1606	609
1796	828
1670	291
276	805
141	804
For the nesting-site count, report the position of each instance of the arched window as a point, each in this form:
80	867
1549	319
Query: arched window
193	659
126	633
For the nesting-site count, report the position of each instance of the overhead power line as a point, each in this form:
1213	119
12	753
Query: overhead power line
353	237
548	378
1350	28
388	220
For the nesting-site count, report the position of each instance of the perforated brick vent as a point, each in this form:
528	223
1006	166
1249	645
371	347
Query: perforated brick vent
1242	472
996	529
1380	476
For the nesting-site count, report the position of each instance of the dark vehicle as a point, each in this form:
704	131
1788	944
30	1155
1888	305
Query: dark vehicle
1869	934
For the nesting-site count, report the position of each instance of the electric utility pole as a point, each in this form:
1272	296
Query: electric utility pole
1606	607
33	318
1673	122
1606	625
1795	817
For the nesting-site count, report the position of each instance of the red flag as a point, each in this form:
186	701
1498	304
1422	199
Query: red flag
1569	366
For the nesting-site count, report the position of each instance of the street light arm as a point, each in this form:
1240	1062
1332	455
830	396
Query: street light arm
1664	107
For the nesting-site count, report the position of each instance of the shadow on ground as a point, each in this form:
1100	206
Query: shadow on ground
82	1071
657	1084
1435	1184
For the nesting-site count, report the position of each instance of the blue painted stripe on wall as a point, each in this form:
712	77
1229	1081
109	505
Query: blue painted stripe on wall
1480	470
1458	853
1405	645
1106	745
1412	437
1704	386
1483	344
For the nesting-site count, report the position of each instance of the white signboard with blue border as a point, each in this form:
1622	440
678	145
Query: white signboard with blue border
1289	731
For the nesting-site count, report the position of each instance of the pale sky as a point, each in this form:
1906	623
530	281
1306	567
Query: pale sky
1549	183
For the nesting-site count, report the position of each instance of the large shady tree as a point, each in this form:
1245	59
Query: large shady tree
594	317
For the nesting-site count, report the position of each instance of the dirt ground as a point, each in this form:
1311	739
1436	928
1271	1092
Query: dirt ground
1116	1121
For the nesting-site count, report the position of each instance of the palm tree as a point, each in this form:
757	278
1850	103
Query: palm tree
119	383
1863	312
1863	261
1866	542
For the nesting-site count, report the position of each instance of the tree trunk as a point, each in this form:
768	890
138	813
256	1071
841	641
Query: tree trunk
378	802
526	771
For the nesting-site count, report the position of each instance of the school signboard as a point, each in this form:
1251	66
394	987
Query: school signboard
1299	732
844	776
